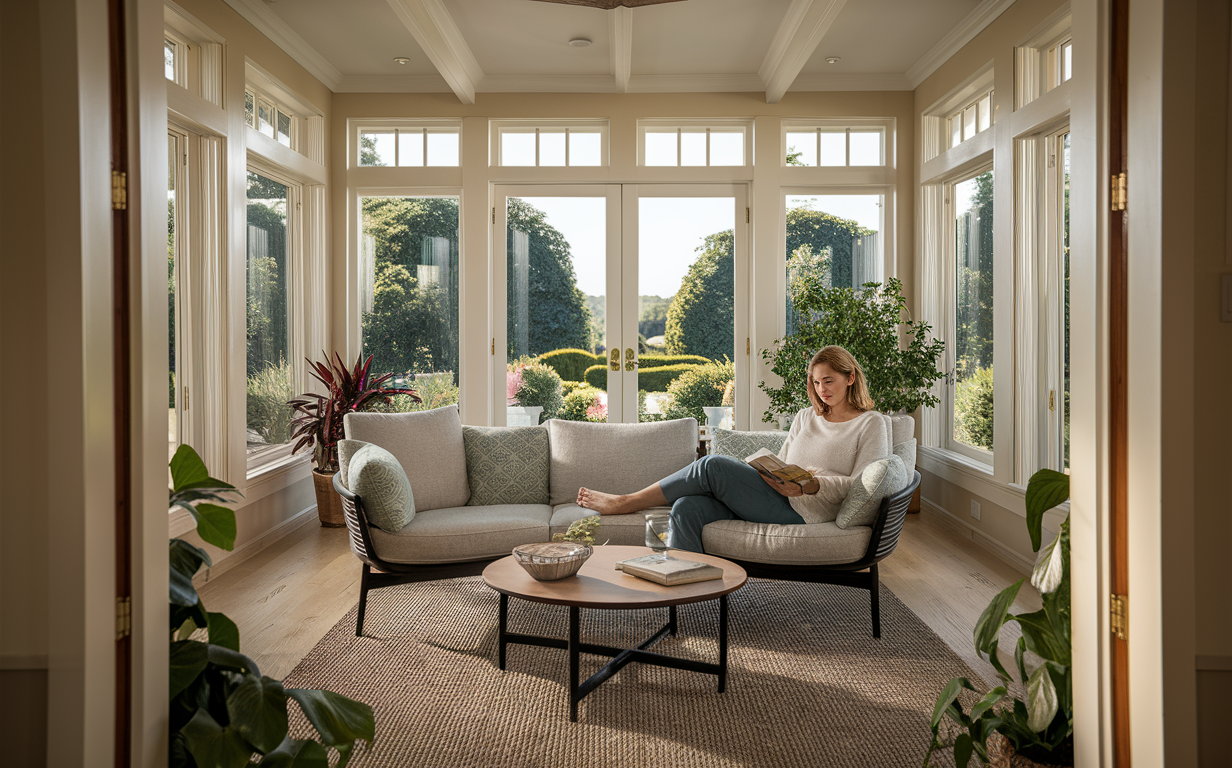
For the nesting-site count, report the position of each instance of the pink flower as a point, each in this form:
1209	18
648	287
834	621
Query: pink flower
513	382
596	412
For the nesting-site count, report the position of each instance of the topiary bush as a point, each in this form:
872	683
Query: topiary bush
699	388
581	404
541	386
973	409
571	364
659	361
654	379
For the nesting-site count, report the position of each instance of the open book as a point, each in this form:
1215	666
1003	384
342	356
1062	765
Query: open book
669	572
769	465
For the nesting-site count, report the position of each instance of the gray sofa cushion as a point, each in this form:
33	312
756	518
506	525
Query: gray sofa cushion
458	534
902	428
377	477
613	529
878	480
729	442
816	544
429	446
615	458
906	452
506	465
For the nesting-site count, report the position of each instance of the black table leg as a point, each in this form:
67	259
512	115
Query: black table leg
722	643
575	651
504	621
671	620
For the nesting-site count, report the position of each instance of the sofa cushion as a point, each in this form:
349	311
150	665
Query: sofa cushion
906	452
377	477
729	442
616	458
457	534
815	544
902	428
629	530
878	480
429	446
506	465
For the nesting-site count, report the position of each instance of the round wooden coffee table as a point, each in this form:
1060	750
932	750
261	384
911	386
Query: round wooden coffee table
599	585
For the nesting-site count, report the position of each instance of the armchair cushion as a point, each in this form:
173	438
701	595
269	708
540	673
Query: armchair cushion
878	480
428	444
377	477
906	452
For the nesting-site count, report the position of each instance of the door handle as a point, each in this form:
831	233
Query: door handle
615	360
630	362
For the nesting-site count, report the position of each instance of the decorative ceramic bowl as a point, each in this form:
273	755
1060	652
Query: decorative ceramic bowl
553	560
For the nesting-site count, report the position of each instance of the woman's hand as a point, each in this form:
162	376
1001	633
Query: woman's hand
791	490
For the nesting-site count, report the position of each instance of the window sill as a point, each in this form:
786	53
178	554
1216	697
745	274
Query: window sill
977	478
269	479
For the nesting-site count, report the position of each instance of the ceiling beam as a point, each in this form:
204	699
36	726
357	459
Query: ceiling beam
438	35
622	46
804	25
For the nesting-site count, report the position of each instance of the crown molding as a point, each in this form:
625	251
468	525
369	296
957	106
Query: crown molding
801	31
825	81
393	84
975	22
280	33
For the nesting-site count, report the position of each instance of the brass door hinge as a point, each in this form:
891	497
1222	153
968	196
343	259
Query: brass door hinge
119	190
494	215
186	397
124	617
493	345
1120	191
747	345
1052	399
1120	616
746	215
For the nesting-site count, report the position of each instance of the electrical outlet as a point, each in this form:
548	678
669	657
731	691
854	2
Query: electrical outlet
975	509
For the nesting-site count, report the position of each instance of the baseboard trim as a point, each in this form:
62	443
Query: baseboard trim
247	550
1011	558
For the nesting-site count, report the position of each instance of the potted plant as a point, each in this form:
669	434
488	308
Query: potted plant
1039	730
318	424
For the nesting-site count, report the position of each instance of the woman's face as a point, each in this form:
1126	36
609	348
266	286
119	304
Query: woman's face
830	385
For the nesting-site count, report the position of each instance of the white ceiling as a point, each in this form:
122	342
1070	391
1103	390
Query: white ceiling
476	46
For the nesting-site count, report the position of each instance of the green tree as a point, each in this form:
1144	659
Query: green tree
653	320
974	318
826	233
266	276
701	317
367	151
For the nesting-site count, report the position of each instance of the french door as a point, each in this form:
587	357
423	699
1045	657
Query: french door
623	272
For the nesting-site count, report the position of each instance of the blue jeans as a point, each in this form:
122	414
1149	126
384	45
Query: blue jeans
720	488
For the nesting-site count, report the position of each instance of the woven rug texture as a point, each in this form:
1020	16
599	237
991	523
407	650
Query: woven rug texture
808	685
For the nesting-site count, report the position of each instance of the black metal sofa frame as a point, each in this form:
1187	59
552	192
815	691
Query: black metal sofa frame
862	574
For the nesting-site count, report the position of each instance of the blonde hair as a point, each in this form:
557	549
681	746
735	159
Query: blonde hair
842	362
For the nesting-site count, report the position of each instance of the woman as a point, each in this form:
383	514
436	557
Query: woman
835	439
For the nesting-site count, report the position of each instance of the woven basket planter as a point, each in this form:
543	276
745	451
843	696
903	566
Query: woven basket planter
329	503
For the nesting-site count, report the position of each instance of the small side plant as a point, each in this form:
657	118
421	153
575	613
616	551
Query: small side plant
582	531
1042	727
224	712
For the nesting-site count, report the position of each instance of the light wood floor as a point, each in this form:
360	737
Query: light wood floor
286	597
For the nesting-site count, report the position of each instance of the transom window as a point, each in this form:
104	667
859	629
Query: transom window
1059	61
834	146
701	144
575	144
974	118
410	146
269	117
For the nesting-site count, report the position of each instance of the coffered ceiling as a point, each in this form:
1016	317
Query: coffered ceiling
471	47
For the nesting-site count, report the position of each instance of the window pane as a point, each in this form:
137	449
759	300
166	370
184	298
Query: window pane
266	118
376	148
866	148
985	112
249	109
409	296
660	148
173	415
585	148
727	148
443	147
1067	62
411	147
270	382
692	147
169	59
1065	297
284	128
973	311
517	148
802	148
551	147
686	279
969	122
833	148
833	241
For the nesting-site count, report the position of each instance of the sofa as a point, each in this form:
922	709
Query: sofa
475	493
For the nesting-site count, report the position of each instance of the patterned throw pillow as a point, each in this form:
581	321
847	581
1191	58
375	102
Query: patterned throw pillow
379	480
882	478
506	465
728	442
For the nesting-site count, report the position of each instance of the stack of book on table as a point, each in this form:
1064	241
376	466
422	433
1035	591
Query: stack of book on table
669	572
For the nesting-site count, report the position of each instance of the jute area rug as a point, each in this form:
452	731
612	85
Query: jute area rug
807	683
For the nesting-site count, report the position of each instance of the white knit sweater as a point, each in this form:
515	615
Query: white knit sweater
835	452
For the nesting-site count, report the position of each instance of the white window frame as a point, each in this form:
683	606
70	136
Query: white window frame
847	126
355	128
181	53
307	123
960	118
1038	57
199	54
259	98
501	127
935	122
645	126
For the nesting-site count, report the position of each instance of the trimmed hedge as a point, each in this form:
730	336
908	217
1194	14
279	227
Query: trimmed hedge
659	361
571	364
648	379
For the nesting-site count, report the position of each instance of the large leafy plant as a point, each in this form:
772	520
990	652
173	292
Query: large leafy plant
223	710
1040	728
867	323
318	424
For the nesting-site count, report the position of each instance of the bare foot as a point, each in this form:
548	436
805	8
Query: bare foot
604	503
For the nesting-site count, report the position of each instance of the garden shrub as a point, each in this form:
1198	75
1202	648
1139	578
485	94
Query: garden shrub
659	361
973	409
434	390
650	379
596	376
569	387
571	364
698	388
541	386
579	403
268	413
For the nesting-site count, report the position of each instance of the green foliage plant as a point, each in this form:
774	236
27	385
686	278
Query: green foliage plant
973	398
1041	728
434	390
660	361
541	386
268	391
654	379
868	323
582	531
701	317
696	389
571	364
578	403
223	711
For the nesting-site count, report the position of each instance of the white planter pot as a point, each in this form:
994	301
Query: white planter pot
523	416
718	417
